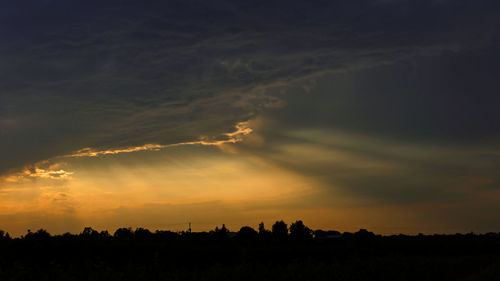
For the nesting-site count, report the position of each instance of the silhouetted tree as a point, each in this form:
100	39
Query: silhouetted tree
142	233
247	233
280	230
263	232
299	231
4	235
88	232
124	233
40	234
222	232
104	234
262	229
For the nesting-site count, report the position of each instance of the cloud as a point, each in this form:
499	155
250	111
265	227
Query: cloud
49	169
424	129
370	170
43	170
118	74
242	130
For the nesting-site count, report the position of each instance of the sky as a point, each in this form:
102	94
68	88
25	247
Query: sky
377	114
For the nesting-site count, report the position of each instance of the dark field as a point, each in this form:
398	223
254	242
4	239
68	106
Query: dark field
248	255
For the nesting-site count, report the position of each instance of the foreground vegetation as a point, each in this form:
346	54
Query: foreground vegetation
283	253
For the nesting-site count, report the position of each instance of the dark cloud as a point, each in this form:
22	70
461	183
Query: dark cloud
374	170
77	74
424	129
451	97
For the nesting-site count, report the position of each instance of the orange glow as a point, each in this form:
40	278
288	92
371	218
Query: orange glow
192	188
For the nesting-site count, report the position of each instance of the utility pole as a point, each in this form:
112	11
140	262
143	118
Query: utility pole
189	230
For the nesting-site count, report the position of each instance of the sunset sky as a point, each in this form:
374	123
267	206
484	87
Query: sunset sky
377	114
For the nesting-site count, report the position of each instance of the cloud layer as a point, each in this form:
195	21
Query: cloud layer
386	108
119	74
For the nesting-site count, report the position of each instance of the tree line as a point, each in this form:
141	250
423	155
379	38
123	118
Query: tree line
282	252
279	231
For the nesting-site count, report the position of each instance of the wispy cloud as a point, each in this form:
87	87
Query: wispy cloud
50	170
54	174
242	130
35	172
